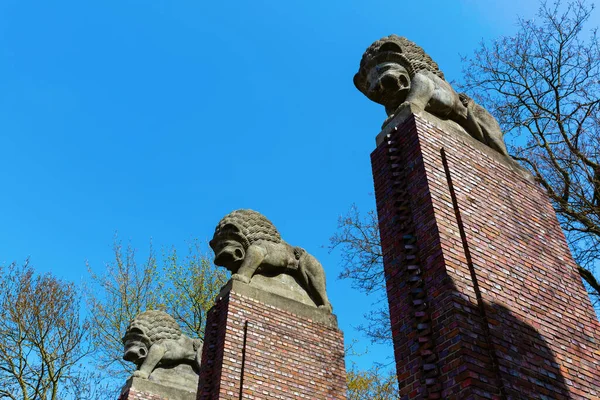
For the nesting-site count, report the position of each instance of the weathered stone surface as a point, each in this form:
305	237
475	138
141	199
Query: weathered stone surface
144	389
180	376
396	73
283	285
283	302
154	339
248	244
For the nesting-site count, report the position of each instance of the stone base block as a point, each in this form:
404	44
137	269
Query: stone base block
144	389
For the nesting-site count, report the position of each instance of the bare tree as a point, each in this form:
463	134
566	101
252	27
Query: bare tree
358	242
42	337
358	237
125	289
185	287
543	86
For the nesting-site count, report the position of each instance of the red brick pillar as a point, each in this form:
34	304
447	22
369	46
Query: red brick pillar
259	345
485	299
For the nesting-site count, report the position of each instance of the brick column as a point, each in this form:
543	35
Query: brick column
485	299
260	345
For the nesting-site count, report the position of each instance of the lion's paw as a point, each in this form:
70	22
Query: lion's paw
141	374
241	278
414	106
326	307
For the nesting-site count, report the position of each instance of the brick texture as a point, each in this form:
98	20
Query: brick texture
485	299
255	350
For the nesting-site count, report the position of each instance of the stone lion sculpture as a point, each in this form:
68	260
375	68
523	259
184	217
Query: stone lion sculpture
154	338
247	243
395	72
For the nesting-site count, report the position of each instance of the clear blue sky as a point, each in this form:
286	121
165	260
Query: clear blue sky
156	118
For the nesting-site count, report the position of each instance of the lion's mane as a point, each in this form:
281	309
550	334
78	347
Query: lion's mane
156	326
251	227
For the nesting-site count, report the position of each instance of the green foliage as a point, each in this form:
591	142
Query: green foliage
373	384
184	287
190	287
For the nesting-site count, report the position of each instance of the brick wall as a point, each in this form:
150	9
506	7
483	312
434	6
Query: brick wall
485	300
256	349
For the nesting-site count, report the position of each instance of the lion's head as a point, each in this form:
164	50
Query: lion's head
236	232
387	68
146	329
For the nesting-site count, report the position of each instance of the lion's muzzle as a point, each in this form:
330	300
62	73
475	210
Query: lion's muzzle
230	256
135	353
